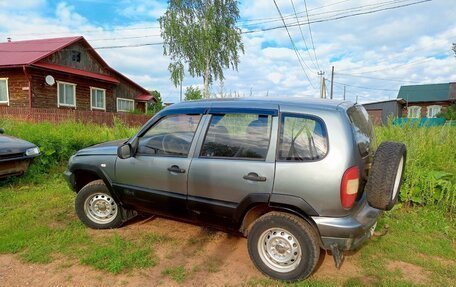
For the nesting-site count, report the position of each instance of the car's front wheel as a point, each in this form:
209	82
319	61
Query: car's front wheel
96	207
283	246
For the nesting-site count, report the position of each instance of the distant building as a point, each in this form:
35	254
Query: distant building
414	101
426	101
64	73
379	112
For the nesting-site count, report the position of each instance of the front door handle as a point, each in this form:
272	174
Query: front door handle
253	176
176	169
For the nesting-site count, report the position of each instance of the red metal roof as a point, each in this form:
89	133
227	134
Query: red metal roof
18	53
144	97
76	72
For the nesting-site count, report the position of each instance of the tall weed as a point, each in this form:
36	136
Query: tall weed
430	176
58	142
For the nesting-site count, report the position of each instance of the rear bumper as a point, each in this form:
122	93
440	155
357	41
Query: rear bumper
348	232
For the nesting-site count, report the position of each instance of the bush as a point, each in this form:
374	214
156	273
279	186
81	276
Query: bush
449	114
430	176
58	142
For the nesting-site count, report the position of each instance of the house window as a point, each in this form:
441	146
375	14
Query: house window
66	93
432	111
76	56
414	112
98	99
4	97
125	105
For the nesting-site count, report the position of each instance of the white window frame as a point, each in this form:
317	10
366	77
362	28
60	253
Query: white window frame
7	92
124	99
430	111
104	99
414	112
58	93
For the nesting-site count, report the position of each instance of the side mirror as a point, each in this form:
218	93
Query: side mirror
2	130
124	151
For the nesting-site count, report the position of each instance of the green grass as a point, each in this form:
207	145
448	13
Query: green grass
425	237
38	222
177	273
118	254
430	176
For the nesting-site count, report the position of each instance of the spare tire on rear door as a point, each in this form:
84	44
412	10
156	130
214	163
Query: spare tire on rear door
385	177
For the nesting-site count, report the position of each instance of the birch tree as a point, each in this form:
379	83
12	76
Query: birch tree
201	34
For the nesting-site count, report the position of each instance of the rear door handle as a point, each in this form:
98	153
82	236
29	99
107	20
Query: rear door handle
176	169
253	176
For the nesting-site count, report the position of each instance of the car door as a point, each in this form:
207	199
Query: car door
155	178
234	165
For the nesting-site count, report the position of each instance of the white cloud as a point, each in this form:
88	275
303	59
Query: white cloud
394	44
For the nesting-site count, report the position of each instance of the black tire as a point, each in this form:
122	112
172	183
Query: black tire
299	261
96	208
385	177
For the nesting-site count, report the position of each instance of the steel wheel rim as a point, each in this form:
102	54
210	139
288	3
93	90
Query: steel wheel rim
397	180
100	208
279	249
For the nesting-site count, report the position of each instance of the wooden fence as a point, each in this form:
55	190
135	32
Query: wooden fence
58	115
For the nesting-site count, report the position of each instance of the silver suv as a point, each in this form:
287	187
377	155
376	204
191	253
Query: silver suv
292	175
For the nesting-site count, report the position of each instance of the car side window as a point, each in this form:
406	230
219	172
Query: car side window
237	136
302	138
362	128
171	136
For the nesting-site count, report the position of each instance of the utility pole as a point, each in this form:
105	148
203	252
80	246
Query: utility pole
322	85
344	92
332	82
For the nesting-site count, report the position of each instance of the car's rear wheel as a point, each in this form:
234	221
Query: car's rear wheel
96	207
283	246
385	177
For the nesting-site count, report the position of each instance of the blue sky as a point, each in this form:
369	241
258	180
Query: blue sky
373	54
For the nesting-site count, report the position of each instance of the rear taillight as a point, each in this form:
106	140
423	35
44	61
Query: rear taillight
349	187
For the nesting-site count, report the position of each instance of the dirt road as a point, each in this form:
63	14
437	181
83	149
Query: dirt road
209	258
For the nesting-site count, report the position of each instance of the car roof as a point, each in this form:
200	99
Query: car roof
265	102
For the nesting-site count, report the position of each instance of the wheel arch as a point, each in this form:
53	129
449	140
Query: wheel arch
255	211
85	173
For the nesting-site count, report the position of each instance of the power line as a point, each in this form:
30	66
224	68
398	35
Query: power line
351	9
291	15
94	48
337	18
336	13
311	37
365	88
93	31
396	66
294	46
303	38
375	78
331	18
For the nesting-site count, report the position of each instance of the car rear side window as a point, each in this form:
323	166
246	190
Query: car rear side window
302	138
171	136
238	136
362	128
